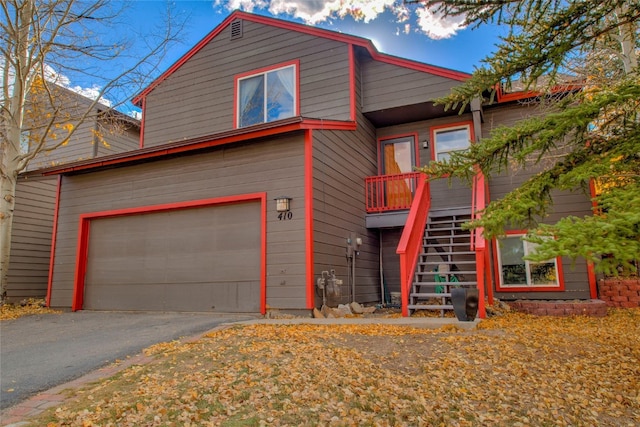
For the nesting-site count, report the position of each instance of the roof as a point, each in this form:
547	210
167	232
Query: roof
262	130
306	29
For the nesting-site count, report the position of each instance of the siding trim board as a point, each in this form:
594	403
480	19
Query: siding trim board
308	196
352	83
305	29
85	222
238	135
54	233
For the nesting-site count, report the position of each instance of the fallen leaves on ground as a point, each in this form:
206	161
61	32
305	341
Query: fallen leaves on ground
26	308
514	370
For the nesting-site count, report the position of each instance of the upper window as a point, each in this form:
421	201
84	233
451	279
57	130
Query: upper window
267	96
517	272
447	139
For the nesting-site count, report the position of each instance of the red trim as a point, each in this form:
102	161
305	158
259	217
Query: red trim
238	77
416	150
159	151
410	243
308	216
500	288
502	96
142	128
85	222
352	83
433	129
306	29
593	284
54	233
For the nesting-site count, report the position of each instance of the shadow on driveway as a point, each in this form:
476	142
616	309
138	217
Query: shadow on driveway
42	351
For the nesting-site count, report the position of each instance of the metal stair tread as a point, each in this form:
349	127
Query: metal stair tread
457	272
469	283
431	295
430	307
444	262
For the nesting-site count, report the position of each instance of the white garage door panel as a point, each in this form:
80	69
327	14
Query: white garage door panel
199	259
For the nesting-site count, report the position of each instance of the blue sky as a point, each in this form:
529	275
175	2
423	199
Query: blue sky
408	39
408	31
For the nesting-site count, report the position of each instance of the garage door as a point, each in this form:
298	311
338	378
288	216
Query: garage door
198	259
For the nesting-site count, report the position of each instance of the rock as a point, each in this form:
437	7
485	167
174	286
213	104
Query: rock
343	310
356	308
368	310
317	314
327	312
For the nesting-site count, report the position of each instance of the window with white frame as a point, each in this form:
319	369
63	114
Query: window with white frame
267	96
517	272
448	140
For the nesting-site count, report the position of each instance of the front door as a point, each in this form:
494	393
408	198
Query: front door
398	156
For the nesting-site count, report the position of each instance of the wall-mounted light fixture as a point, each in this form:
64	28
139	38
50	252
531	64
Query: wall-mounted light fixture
283	204
425	143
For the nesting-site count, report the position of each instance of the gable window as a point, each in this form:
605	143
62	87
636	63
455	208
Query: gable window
267	95
450	138
515	272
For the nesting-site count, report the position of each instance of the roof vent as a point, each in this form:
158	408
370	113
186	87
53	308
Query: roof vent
236	29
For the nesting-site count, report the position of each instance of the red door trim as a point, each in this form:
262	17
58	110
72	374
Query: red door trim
85	223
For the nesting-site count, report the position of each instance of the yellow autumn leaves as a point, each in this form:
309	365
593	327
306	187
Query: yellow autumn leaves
513	370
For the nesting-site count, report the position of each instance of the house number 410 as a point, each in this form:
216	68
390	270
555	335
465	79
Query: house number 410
282	216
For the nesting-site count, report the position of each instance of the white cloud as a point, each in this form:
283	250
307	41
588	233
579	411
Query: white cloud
92	92
432	24
436	26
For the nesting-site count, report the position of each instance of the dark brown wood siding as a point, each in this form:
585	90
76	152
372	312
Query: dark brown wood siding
565	203
390	259
341	161
118	139
387	86
274	166
31	238
198	98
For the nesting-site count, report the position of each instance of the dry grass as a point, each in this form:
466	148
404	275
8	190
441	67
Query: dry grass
26	308
514	370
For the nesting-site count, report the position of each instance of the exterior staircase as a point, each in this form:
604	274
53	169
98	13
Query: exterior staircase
446	260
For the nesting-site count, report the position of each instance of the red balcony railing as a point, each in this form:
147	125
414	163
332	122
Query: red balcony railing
411	240
391	192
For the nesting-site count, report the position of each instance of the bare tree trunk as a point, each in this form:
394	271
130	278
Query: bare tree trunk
7	205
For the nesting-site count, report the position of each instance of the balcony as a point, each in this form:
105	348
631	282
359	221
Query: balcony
389	198
386	193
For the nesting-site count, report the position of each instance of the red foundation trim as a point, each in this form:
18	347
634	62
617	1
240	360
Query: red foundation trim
308	207
85	223
54	234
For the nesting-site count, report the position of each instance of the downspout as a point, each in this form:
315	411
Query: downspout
382	299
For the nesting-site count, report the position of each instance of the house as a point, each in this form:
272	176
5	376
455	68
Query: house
276	171
105	132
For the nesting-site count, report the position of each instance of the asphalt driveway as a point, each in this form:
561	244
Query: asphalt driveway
42	351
